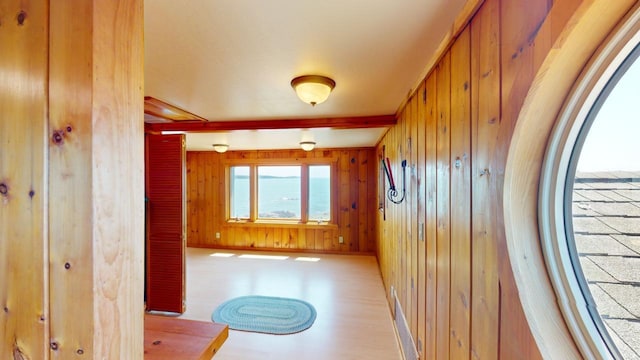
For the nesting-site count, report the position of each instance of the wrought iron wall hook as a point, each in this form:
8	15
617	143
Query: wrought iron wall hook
392	193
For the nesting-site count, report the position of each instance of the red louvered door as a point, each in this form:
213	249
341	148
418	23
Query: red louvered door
166	220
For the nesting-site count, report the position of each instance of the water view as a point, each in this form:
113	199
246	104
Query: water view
279	192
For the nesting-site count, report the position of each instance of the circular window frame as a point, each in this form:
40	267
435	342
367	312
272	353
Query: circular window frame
557	176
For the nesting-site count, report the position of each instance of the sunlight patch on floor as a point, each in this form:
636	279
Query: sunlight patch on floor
308	259
222	255
263	257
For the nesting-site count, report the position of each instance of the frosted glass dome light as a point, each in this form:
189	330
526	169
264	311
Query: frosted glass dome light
313	89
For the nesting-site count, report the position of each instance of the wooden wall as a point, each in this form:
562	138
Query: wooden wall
354	186
443	250
71	179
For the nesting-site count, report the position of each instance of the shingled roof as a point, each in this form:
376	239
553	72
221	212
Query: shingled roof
606	221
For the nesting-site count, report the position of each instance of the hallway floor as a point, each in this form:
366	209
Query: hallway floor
353	322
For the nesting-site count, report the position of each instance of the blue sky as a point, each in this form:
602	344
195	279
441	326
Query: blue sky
613	143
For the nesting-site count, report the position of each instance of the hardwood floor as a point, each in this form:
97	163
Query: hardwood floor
353	322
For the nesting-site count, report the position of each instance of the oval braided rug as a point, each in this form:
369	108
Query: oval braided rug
266	314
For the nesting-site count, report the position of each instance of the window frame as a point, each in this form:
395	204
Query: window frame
304	164
556	185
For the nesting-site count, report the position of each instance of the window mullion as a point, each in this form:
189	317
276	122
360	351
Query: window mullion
304	194
253	193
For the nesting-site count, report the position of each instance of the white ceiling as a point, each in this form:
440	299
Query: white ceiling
234	60
286	138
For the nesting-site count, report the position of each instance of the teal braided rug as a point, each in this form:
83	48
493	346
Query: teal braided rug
265	314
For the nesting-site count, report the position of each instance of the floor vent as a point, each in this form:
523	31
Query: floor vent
406	341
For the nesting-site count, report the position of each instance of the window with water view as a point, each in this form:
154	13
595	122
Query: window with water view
240	190
279	192
319	192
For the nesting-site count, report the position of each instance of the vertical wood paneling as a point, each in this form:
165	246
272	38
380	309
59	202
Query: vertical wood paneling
192	183
209	209
264	235
24	317
118	228
412	221
96	171
221	211
318	242
421	281
430	210
71	212
353	191
268	238
460	197
354	167
443	206
302	239
471	303
364	206
103	254
519	23
372	200
293	238
244	239
485	73
344	218
401	228
71	106
329	238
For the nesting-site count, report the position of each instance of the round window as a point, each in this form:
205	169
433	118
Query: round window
590	204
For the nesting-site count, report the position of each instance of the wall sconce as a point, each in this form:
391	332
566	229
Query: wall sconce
313	89
220	148
307	145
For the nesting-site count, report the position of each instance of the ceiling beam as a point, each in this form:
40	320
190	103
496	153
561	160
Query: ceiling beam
356	122
166	111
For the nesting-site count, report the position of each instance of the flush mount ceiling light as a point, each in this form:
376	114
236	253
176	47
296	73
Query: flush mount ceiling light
313	89
307	145
220	147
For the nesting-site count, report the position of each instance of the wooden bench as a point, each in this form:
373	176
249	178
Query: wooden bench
173	338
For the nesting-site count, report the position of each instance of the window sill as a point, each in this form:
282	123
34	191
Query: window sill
282	224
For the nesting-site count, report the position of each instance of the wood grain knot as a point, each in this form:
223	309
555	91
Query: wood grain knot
4	189
67	266
157	342
6	309
22	16
516	54
69	128
54	346
57	137
32	193
18	355
79	351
